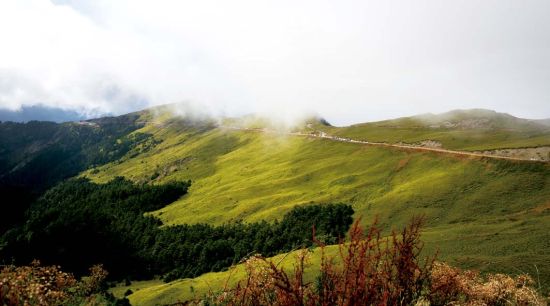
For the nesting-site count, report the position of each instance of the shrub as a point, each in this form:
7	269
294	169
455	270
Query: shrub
35	285
48	285
450	284
372	270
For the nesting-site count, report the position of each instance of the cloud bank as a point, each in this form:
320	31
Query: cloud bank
349	61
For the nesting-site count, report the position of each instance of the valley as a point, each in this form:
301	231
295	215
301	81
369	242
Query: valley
486	201
483	211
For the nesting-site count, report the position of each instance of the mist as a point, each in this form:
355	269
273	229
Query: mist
347	61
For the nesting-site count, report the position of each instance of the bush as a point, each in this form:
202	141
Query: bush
375	271
470	288
48	285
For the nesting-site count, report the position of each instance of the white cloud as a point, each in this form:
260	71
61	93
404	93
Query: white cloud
350	61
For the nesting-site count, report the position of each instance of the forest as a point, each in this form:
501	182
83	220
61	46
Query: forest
78	224
36	155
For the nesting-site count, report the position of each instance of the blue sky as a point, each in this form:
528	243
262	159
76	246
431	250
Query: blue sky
349	61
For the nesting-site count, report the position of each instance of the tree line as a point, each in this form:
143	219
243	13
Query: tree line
79	223
37	155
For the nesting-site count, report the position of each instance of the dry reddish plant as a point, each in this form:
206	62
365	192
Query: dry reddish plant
48	285
372	270
266	284
375	271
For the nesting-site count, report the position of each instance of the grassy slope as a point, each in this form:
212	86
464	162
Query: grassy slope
495	130
482	213
253	176
449	138
156	292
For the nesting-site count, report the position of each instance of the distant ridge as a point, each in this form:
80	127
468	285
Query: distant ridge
544	121
40	113
465	119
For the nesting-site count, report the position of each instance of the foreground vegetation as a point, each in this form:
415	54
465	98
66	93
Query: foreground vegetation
48	285
367	270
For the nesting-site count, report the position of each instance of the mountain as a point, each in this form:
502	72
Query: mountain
478	119
40	113
543	121
482	212
36	155
467	119
471	130
476	207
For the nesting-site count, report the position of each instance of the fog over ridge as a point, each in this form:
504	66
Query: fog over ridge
348	62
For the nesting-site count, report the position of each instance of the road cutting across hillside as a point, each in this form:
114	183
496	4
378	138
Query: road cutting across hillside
323	135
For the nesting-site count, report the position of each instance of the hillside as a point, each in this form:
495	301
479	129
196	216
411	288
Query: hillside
35	156
484	213
543	121
469	130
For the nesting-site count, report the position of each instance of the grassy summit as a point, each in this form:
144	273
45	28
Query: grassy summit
470	130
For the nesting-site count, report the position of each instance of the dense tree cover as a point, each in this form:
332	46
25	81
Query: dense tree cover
36	155
79	223
190	250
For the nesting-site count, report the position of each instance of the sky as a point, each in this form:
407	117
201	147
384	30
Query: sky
347	61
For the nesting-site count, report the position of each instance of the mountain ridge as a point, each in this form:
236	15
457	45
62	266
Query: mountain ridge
40	113
476	207
254	174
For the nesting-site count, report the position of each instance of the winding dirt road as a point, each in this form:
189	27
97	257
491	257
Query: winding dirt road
322	135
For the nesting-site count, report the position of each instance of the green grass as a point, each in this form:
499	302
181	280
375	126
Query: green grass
252	176
493	130
481	213
155	292
120	289
466	140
